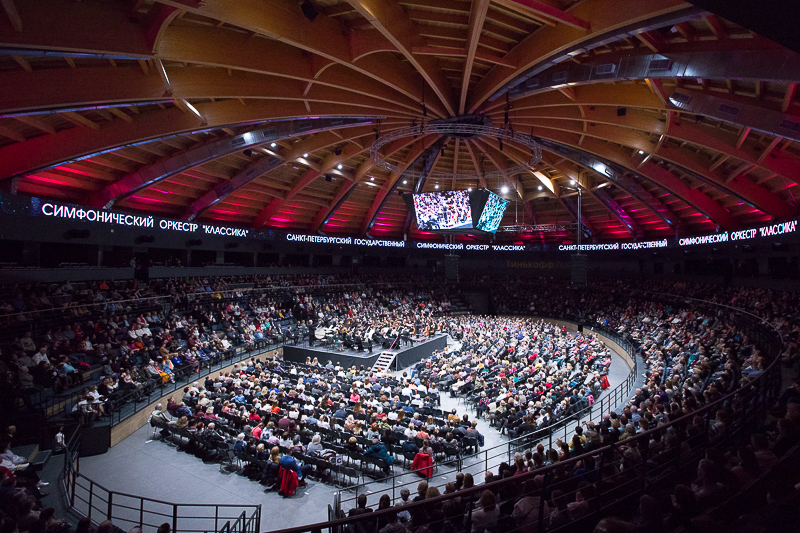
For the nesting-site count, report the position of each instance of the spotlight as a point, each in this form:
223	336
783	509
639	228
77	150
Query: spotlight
248	152
273	145
641	152
405	182
504	190
572	182
436	186
469	190
340	166
305	154
337	150
539	187
371	178
309	10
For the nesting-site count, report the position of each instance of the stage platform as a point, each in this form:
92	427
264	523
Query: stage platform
406	355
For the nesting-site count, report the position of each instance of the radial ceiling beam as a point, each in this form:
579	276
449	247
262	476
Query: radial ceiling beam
37	123
197	155
417	150
308	177
88	34
455	162
324	36
476	163
11	134
347	188
462	53
13	15
80	120
632	187
547	10
679	130
59	88
742	188
498	160
477	15
539	46
264	165
69	144
391	20
788	97
324	214
650	171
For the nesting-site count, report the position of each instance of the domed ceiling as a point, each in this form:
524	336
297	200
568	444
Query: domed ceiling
261	113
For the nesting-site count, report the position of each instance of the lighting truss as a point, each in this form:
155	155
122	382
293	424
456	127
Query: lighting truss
543	228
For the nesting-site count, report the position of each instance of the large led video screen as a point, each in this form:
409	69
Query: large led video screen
443	211
492	214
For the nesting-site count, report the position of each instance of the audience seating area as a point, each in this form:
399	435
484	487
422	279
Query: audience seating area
709	431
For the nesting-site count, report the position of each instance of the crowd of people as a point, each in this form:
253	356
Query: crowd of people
693	356
443	210
520	374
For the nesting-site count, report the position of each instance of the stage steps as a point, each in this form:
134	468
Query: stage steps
384	361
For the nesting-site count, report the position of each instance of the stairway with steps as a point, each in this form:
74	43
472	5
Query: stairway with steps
384	361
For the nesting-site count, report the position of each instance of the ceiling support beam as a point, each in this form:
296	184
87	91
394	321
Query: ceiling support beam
742	137
391	20
80	120
13	15
461	52
310	175
390	184
36	123
768	150
478	166
788	97
162	73
547	11
477	15
455	162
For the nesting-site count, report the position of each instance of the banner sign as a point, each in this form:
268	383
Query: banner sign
20	206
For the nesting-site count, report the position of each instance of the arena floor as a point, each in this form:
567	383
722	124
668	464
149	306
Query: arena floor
142	466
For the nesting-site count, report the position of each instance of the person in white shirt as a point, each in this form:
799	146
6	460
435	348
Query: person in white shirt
41	356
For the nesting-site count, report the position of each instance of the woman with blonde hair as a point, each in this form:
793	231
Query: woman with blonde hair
274	454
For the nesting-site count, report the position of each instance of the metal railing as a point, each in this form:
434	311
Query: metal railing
93	501
623	470
491	458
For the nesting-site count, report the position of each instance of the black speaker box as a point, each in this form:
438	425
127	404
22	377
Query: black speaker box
94	440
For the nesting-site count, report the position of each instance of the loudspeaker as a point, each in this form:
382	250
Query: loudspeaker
309	10
94	440
145	239
580	328
578	268
451	267
622	111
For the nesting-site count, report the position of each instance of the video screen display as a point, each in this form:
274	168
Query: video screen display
447	210
492	214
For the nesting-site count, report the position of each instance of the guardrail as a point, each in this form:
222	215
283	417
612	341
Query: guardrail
93	501
491	458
